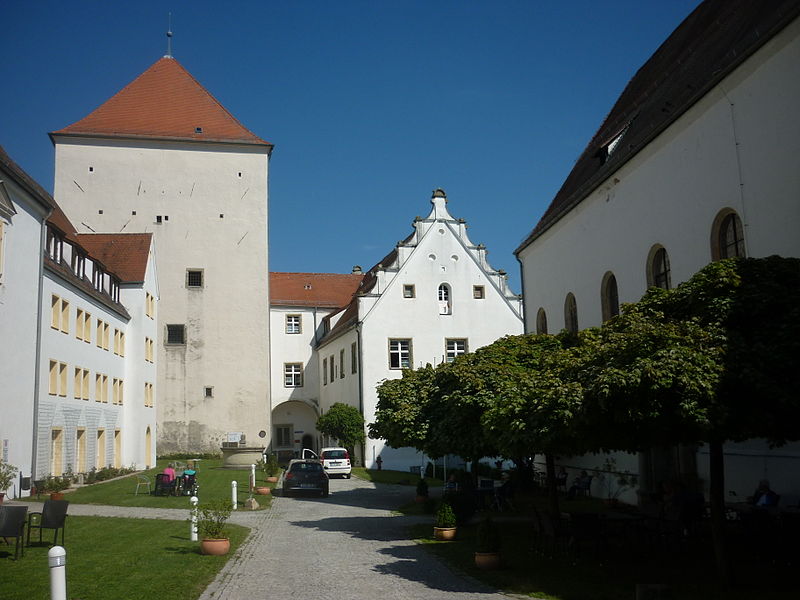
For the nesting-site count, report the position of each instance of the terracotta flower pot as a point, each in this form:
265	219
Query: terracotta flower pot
263	490
272	480
57	496
215	547
444	533
487	561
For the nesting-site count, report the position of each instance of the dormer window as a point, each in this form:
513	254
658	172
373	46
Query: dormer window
444	300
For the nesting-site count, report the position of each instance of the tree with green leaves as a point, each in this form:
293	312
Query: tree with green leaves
713	360
345	423
401	415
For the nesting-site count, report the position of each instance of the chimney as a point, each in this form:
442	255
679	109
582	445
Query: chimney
356	270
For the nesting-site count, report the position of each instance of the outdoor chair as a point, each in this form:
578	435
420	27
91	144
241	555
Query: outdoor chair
584	486
53	516
12	525
142	481
164	486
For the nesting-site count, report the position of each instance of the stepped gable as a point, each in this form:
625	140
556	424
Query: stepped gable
330	290
717	37
125	254
164	102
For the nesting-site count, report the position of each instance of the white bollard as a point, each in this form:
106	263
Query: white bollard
193	525
252	478
233	494
57	559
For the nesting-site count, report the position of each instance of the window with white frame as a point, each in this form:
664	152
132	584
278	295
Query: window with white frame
283	436
444	299
454	348
293	324
293	375
400	354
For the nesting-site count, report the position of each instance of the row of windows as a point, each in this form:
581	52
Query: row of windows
59	320
57	466
401	354
329	365
65	253
727	241
82	383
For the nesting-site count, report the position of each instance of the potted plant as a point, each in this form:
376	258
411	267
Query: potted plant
487	555
55	486
271	468
211	521
7	474
444	527
615	482
422	491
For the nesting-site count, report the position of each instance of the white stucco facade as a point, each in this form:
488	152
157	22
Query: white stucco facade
404	319
206	205
735	150
22	216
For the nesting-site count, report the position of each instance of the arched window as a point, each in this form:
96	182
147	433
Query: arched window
658	271
571	314
541	321
727	236
444	299
609	299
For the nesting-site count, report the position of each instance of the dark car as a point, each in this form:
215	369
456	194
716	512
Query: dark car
305	476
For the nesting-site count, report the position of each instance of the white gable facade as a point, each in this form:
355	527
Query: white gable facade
434	297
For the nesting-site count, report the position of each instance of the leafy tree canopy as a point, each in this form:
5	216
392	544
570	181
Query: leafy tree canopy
343	422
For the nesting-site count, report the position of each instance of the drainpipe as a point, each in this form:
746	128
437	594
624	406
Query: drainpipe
524	312
361	388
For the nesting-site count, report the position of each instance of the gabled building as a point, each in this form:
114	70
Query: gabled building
164	157
433	297
696	161
299	303
24	208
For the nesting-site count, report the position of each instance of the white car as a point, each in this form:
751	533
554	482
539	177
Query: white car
335	461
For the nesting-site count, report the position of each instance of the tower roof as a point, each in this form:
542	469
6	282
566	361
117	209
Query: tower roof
164	102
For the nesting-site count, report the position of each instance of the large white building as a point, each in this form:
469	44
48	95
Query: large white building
162	156
697	160
433	297
24	208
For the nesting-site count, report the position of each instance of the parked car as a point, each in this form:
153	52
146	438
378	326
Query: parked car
305	476
336	461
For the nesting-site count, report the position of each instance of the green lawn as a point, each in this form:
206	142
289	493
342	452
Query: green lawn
395	477
118	558
215	483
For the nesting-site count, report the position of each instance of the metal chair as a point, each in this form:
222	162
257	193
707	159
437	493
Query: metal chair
12	524
142	481
164	485
53	516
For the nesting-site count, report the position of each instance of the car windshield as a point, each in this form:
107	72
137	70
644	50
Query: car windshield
335	454
307	467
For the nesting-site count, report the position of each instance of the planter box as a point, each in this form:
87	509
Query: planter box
444	533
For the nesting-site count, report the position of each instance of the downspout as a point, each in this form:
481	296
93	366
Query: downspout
524	314
37	365
361	389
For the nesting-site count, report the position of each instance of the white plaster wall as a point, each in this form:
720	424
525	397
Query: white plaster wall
67	412
19	288
213	202
670	194
439	258
302	418
340	389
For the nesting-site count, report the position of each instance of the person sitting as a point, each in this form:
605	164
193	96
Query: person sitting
581	484
764	496
169	471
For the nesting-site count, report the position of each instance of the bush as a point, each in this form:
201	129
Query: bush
7	474
422	488
211	519
445	517
488	536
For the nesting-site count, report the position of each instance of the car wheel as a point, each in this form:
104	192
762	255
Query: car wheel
347	476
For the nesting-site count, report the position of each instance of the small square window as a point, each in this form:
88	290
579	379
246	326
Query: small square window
293	324
198	130
176	334
158	219
293	375
194	278
409	291
478	292
208	391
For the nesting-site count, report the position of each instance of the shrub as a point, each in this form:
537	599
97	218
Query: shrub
211	519
422	488
488	536
445	517
7	473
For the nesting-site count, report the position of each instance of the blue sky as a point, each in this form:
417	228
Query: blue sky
370	104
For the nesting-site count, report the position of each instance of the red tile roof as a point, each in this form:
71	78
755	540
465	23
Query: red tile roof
710	43
164	102
329	290
125	254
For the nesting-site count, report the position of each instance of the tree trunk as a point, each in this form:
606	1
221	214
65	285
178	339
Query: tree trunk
552	490
717	497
